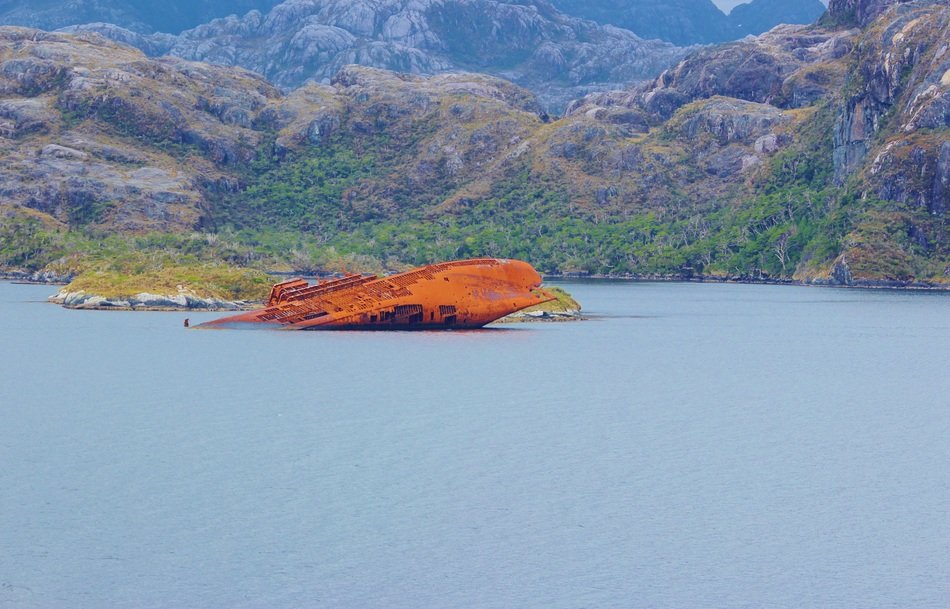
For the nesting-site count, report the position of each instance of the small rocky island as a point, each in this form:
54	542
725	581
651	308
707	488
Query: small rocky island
565	308
171	288
184	299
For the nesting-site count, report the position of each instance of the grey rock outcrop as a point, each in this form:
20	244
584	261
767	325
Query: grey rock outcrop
787	67
182	301
731	120
21	117
902	87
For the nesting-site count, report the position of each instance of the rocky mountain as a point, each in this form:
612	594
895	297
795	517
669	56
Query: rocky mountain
857	12
864	128
818	153
93	133
528	42
682	22
142	16
760	16
688	22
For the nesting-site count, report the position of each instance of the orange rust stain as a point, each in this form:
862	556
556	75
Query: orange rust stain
458	294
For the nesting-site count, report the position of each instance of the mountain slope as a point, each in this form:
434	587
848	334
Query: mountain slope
530	43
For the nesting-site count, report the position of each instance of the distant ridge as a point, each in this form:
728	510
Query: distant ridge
531	43
142	16
687	22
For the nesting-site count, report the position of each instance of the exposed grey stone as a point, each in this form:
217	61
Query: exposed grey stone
184	301
62	152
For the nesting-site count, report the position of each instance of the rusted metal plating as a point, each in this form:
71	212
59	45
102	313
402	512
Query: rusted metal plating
458	294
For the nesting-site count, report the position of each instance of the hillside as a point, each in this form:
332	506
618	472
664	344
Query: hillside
818	153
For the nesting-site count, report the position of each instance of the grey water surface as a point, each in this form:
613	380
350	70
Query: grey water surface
691	446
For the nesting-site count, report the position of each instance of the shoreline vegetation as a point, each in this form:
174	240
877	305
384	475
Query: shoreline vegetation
860	284
228	288
224	288
864	284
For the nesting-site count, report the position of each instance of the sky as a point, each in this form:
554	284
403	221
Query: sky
727	5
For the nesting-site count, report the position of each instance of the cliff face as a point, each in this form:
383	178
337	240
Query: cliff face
556	56
789	67
901	64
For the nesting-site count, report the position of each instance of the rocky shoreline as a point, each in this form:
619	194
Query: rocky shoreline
543	316
147	301
183	301
38	277
862	284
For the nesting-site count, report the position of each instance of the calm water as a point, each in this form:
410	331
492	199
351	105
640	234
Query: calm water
695	446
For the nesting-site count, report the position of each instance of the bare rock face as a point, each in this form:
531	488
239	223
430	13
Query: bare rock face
22	117
788	67
941	187
150	44
731	120
184	300
903	65
92	132
530	43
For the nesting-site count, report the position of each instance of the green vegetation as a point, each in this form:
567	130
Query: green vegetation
155	277
25	243
563	303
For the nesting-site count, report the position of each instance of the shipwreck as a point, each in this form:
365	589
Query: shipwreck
457	294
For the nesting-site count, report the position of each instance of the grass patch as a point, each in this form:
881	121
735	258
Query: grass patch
564	303
204	281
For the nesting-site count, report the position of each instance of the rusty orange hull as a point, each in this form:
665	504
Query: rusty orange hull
459	294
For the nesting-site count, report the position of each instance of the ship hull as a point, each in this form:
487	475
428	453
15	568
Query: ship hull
461	294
